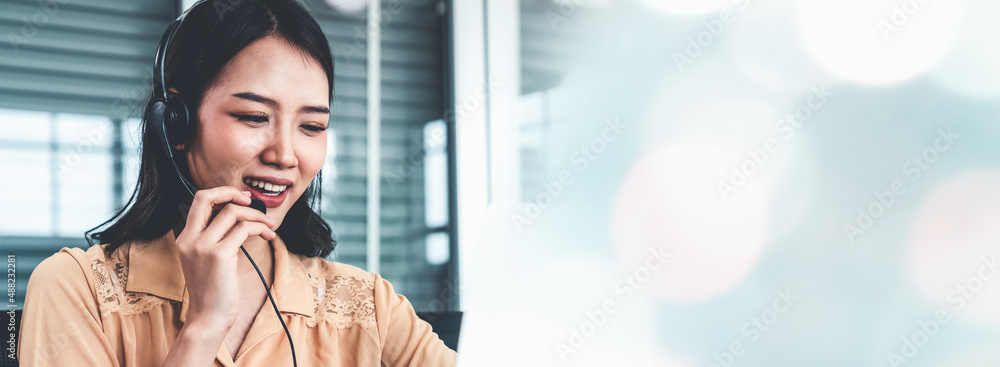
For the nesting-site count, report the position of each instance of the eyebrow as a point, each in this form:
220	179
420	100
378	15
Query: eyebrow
270	102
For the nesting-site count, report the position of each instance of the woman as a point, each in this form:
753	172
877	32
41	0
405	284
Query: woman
169	286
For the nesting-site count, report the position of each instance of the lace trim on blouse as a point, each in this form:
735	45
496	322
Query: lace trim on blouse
343	300
111	294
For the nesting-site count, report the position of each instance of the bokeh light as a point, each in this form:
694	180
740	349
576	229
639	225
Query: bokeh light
878	42
953	240
779	64
973	66
670	199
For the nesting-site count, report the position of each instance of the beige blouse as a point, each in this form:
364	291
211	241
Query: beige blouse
84	309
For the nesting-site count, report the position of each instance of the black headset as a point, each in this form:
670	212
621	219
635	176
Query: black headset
170	119
169	115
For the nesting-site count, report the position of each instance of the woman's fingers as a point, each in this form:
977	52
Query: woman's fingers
204	200
245	229
229	216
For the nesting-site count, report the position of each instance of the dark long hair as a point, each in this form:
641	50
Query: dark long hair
212	33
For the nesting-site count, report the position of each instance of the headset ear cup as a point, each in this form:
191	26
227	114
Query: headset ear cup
155	119
178	120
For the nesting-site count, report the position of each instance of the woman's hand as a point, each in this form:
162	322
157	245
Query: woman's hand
209	247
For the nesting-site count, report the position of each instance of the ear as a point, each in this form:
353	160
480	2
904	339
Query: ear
173	90
180	146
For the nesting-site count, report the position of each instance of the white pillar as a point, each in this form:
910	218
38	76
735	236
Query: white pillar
503	64
374	154
469	107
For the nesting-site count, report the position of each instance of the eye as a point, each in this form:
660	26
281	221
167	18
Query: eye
314	128
250	117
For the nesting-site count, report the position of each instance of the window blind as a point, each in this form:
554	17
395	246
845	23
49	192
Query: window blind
89	57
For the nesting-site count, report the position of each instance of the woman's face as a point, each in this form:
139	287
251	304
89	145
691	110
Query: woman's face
263	123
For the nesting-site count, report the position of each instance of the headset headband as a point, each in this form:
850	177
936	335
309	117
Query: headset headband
166	106
161	53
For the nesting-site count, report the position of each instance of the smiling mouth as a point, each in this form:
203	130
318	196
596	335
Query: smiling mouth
265	188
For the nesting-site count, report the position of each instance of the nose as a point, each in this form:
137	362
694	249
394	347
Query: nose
279	151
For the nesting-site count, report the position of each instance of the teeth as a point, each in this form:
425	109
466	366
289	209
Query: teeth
266	186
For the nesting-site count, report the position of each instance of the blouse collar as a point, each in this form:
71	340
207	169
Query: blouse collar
155	268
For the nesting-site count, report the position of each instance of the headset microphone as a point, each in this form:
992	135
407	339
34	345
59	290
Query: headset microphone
259	205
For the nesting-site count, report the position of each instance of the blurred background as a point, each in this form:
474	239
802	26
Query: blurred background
597	182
